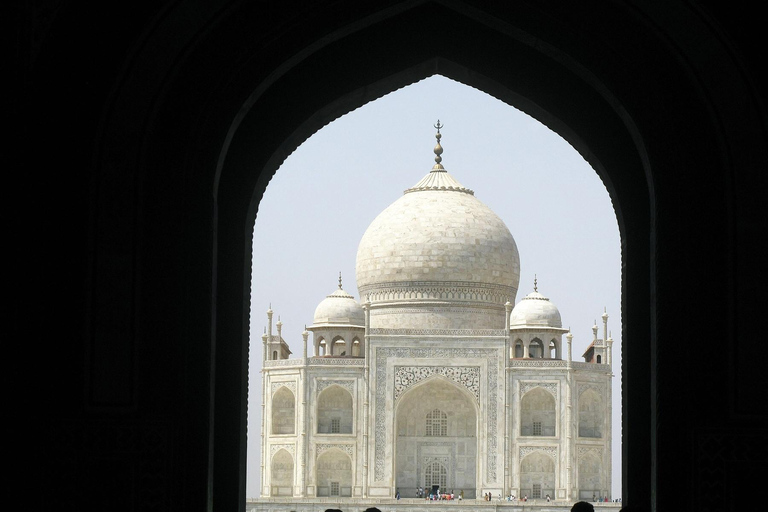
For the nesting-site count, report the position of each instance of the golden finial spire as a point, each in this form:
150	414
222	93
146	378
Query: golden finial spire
438	148
339	280
535	283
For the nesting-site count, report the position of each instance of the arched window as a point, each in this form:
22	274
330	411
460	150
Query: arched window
536	349
590	477
537	475
356	347
554	349
435	474
537	413
274	355
437	424
321	347
338	346
282	474
334	474
334	411
518	348
283	412
599	359
590	414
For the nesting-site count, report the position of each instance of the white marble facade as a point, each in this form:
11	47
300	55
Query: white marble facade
435	379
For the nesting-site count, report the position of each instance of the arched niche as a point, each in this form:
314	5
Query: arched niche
590	477
537	475
554	349
335	412
591	414
281	473
283	412
536	349
334	474
436	422
321	347
339	347
538	413
518	351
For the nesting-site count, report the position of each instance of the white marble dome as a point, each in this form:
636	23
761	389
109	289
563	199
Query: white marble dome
438	246
339	308
535	310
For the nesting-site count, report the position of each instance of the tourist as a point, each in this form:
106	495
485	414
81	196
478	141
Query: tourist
582	506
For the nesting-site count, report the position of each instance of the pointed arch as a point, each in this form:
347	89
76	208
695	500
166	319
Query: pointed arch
283	412
538	416
334	474
591	414
335	411
538	475
282	473
436	420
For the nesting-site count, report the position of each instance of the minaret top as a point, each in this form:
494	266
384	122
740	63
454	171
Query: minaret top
438	150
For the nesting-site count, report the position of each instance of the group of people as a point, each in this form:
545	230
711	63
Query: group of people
511	497
437	495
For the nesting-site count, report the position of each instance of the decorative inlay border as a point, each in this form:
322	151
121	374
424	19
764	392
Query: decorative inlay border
380	331
466	376
448	291
348	384
527	450
320	448
582	387
493	364
559	363
526	386
288	384
274	448
589	450
281	362
337	361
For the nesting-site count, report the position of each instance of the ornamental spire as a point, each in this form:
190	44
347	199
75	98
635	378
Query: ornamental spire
339	280
438	149
535	283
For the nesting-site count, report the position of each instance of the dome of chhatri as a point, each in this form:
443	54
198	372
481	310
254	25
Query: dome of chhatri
339	308
438	243
535	310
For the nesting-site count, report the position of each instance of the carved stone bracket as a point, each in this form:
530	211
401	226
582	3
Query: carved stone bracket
288	384
526	386
349	449
589	450
527	450
290	448
465	376
347	384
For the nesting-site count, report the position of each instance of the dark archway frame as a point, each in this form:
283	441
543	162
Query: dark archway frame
622	83
527	75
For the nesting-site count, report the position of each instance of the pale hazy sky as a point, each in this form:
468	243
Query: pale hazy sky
325	195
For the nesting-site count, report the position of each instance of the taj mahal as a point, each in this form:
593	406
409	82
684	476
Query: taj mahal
438	378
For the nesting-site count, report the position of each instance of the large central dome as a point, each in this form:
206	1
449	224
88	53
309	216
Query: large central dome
438	258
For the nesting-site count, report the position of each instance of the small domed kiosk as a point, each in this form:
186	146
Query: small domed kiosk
339	325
